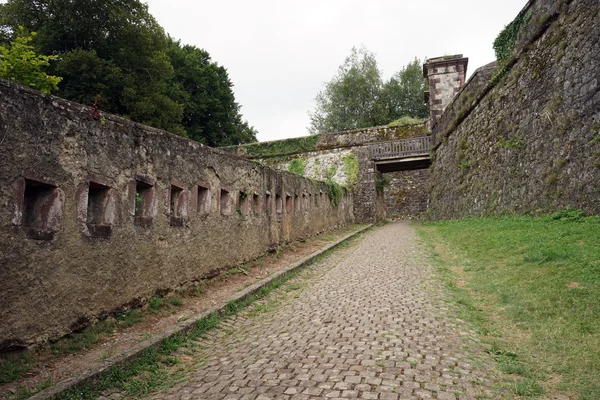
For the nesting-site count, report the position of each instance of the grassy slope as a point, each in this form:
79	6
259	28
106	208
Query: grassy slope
532	286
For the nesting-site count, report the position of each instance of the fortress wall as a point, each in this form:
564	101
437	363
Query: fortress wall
529	141
98	214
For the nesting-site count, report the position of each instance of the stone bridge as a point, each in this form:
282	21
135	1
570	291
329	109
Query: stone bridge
357	159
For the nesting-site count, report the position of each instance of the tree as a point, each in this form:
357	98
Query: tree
210	112
116	49
403	94
20	63
356	97
352	98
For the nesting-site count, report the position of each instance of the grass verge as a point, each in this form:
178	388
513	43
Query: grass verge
532	288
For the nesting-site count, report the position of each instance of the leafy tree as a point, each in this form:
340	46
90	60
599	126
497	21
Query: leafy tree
210	113
84	73
20	63
357	97
115	48
352	98
403	94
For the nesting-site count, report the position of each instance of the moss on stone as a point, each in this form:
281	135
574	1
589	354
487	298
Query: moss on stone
282	147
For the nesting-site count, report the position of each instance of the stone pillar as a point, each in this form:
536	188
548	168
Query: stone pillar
445	75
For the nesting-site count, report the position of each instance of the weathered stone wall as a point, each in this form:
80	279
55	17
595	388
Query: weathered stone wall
406	194
99	214
529	141
342	157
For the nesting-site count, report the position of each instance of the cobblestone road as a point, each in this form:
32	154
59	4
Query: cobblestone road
368	322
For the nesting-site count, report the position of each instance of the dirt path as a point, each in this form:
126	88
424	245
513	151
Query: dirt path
367	322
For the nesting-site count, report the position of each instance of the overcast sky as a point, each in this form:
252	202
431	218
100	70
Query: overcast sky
280	53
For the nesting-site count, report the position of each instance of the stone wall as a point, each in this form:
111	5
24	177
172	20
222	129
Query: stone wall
527	140
97	215
342	157
406	194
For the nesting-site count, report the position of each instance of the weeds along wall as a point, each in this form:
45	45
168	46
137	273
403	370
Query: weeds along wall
340	157
98	214
523	136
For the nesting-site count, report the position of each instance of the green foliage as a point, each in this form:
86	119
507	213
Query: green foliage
351	167
75	343
20	63
596	134
12	369
175	301
118	50
154	304
335	193
330	172
515	142
129	318
567	214
403	95
357	97
505	43
404	121
210	113
283	147
382	181
297	166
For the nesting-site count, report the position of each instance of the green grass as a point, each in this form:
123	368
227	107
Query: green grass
76	342
175	301
154	304
532	287
293	286
11	369
130	318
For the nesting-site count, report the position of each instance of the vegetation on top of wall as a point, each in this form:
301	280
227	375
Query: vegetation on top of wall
505	43
351	166
297	166
406	121
282	147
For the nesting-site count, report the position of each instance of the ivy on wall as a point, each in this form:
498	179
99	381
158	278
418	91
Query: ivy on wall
505	43
297	166
351	166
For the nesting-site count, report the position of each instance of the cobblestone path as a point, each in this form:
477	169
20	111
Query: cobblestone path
367	322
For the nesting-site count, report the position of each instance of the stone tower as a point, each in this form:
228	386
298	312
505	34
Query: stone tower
445	76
